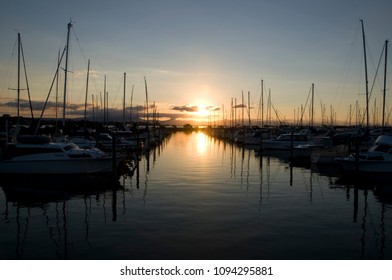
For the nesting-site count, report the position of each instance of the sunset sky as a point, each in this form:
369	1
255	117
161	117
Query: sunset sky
199	53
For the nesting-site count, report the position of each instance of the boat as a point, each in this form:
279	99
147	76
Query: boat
328	155
287	141
378	159
38	155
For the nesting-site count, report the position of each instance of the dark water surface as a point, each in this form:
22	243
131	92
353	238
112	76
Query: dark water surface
195	197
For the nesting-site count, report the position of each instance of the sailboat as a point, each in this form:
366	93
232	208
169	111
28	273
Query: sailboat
36	154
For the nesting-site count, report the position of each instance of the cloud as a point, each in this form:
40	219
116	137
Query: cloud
24	104
212	108
186	108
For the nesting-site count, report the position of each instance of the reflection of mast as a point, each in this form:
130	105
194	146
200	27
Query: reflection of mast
261	180
383	239
242	163
248	171
363	226
65	231
114	205
87	209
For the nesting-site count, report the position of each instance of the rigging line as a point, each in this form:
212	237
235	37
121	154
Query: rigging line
375	78
27	82
118	90
306	103
376	74
348	62
92	77
79	45
7	74
50	90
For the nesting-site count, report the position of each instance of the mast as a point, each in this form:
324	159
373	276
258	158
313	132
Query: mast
235	111
130	110
385	83
66	71
262	103
18	89
249	124
366	75
125	80
147	120
312	109
104	101
93	105
223	115
27	82
242	109
57	92
269	112
232	113
85	100
145	86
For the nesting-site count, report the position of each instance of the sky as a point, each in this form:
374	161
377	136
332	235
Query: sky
199	57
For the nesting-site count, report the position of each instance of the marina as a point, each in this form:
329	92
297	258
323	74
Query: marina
190	133
195	196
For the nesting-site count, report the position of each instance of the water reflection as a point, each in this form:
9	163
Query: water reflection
29	198
201	143
197	197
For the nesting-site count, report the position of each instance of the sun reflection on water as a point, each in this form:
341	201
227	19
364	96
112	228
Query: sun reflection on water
201	143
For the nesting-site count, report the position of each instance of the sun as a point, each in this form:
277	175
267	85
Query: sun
202	110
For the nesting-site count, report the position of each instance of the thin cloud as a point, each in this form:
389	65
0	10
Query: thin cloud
212	108
186	108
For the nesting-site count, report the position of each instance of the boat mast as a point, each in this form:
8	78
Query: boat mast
85	100
312	109
66	71
242	109
366	75
104	101
57	93
249	122
125	79
147	117
385	83
262	103
18	86
93	105
130	109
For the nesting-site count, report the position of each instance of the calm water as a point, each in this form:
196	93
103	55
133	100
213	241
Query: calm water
196	197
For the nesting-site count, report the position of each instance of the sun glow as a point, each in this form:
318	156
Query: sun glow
202	110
